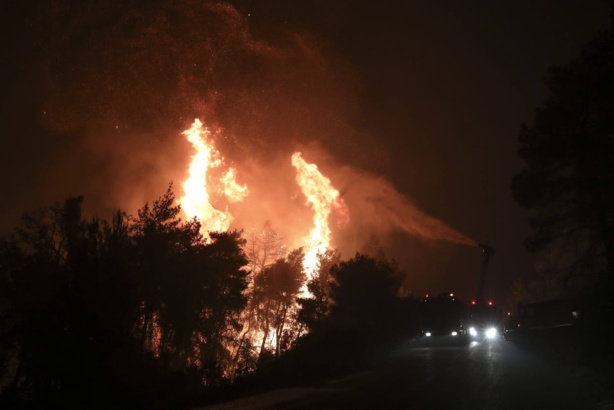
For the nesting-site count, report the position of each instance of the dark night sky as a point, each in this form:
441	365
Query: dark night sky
441	87
446	87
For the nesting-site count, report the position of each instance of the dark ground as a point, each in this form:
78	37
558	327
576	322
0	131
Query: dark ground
476	375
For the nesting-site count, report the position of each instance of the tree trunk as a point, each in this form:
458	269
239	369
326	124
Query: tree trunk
280	330
144	330
266	326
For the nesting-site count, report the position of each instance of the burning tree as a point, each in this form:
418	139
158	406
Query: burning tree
145	308
274	300
193	289
263	247
315	308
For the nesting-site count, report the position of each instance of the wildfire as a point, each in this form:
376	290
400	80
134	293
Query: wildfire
195	201
323	198
233	191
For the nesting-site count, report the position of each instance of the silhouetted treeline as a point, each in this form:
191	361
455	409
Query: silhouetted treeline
144	311
567	184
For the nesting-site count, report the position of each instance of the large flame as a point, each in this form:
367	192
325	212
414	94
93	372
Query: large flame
196	201
323	198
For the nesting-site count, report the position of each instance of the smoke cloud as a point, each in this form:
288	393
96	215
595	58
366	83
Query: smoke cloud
119	83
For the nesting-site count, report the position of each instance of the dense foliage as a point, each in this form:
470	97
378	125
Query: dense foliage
568	186
145	311
568	180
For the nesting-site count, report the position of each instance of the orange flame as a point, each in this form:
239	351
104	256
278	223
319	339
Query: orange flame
195	201
233	191
323	198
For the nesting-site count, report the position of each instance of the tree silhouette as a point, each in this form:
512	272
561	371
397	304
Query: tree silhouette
135	309
567	184
144	311
355	311
316	308
192	291
364	293
224	300
274	297
263	247
568	180
68	308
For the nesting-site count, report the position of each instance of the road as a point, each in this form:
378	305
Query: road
476	375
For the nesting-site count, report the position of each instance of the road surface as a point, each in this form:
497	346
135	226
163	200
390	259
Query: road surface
476	375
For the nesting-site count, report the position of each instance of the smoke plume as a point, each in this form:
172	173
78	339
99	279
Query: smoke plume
120	82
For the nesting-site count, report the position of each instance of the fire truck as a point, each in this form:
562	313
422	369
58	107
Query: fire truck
446	315
482	318
442	316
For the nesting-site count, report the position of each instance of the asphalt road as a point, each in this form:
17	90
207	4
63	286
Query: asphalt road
476	375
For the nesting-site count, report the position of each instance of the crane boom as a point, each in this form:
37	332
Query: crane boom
488	252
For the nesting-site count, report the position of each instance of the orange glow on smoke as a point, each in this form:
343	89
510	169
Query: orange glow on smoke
323	198
196	199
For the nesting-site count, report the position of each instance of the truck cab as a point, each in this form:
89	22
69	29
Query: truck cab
484	320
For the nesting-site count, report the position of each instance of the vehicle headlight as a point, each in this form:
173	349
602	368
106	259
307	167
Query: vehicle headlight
472	331
427	334
491	333
454	333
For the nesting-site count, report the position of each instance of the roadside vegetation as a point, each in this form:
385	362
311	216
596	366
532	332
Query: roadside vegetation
146	312
567	185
